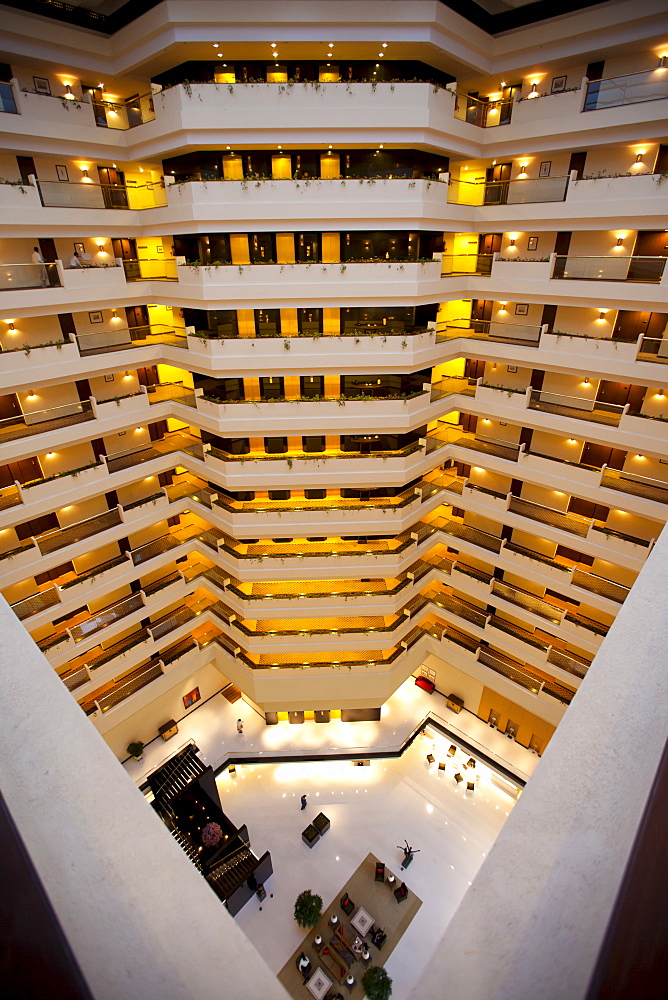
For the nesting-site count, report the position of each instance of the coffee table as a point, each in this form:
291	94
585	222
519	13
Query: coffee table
318	984
362	921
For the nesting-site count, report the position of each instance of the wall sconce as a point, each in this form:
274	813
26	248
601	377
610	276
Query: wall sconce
114	316
585	381
32	394
512	243
601	315
639	158
127	375
12	328
84	171
534	90
523	169
640	456
502	309
663	62
100	245
50	454
571	441
620	241
660	394
69	96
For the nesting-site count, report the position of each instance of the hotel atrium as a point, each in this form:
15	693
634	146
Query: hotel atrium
334	400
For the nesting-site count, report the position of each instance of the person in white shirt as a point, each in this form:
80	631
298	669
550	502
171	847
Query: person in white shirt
38	259
75	260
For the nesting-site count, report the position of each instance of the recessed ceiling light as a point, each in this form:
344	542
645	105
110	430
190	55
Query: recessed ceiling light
381	53
273	45
384	45
220	55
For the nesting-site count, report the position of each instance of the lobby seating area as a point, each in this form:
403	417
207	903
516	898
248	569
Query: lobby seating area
338	950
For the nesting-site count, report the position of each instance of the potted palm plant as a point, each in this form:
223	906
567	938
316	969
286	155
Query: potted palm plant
135	749
377	984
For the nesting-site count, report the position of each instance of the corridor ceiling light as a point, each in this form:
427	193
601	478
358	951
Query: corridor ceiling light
381	53
220	55
503	83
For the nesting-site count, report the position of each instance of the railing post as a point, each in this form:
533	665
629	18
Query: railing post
553	262
93	405
584	86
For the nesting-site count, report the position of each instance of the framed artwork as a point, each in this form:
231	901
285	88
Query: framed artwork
522	309
95	317
79	248
160	249
545	167
61	172
42	85
122	434
512	368
558	84
190	698
532	243
108	378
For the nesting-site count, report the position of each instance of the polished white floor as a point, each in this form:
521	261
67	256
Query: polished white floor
371	809
213	727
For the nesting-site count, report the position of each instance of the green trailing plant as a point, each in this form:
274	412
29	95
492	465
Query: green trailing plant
308	908
135	749
377	984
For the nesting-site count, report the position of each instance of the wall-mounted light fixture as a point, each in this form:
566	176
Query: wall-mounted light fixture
100	245
639	158
620	241
663	62
534	90
523	168
585	381
602	313
640	456
69	96
84	171
503	307
512	243
660	394
32	394
12	328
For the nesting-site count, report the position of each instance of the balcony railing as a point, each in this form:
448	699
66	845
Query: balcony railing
15	277
576	406
135	682
635	88
80	194
654	349
43	421
516	192
483	113
130	337
51	541
478	329
7	100
121	609
644	269
479	264
129	114
150	269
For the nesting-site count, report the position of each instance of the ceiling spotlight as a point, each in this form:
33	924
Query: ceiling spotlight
381	54
384	45
273	45
215	45
220	55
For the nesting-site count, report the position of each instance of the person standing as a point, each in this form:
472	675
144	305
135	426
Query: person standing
303	800
38	259
240	727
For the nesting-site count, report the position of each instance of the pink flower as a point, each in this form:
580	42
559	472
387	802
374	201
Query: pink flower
211	834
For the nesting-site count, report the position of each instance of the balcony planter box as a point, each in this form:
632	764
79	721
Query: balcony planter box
591	348
553	467
643	427
135	405
501	397
19	362
509	271
623	546
19	558
310	836
321	824
143	509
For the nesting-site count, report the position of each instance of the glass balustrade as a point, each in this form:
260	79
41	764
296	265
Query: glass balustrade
573	268
7	100
17	276
488	329
635	88
82	194
485	114
467	263
515	192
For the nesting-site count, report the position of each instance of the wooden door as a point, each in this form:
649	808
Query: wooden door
496	184
137	316
577	162
630	325
113	187
27	167
481	309
598	455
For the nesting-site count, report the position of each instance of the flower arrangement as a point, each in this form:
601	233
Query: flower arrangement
211	834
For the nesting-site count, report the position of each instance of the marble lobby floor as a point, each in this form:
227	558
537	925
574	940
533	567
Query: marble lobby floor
213	727
372	809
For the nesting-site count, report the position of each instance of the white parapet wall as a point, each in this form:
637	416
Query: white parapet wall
139	918
533	922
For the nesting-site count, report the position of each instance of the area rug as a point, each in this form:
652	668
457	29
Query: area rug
379	901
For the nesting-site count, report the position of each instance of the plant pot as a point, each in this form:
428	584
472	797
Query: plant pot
310	836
